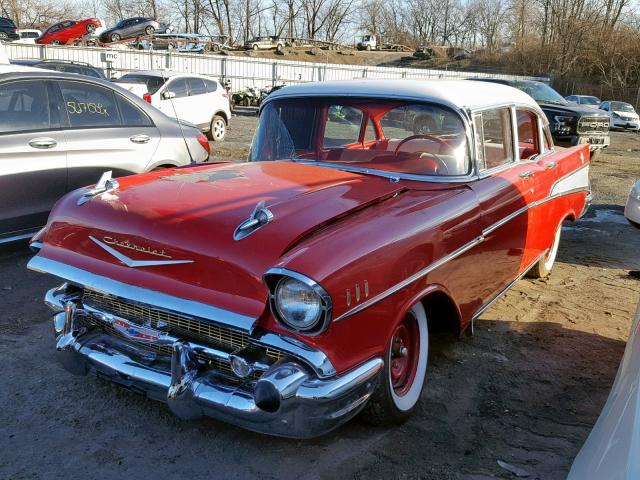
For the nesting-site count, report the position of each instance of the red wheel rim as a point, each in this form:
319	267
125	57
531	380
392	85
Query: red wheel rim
404	351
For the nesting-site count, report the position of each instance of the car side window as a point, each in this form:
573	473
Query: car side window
89	105
528	143
211	85
179	87
196	86
342	127
132	116
494	138
24	106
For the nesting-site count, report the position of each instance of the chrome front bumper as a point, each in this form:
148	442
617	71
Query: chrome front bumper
288	399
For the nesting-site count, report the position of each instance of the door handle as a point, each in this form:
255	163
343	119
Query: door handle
140	138
552	165
43	143
526	174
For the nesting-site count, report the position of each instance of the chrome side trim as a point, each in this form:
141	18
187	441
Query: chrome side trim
438	263
425	271
137	294
15	238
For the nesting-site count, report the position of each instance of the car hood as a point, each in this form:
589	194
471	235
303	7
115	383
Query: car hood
190	214
626	114
572	109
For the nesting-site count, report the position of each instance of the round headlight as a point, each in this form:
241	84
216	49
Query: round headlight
298	304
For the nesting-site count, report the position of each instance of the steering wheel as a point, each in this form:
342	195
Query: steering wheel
441	163
421	135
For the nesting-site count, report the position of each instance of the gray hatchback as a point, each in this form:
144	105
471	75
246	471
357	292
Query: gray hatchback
60	131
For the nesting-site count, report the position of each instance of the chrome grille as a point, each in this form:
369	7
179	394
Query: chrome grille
215	363
593	124
222	337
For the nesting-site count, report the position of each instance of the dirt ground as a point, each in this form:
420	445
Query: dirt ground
525	389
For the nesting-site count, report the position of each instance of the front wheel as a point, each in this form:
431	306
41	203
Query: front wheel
218	129
149	30
115	37
404	371
4	36
91	28
545	264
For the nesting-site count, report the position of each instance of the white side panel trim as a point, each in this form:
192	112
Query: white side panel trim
578	180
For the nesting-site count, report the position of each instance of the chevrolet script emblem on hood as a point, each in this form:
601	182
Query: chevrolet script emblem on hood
129	262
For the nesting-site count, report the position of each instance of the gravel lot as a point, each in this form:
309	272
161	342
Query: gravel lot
525	389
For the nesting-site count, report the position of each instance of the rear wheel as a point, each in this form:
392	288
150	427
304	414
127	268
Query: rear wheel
115	37
4	36
404	371
255	47
218	129
55	42
91	28
149	30
545	264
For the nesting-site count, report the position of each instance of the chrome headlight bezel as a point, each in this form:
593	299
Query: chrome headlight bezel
274	278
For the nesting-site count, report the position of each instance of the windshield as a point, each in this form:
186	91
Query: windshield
589	100
153	83
621	107
541	92
401	137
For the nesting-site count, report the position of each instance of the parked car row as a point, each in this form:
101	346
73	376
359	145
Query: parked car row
622	115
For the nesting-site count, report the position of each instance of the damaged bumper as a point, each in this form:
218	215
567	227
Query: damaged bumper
287	399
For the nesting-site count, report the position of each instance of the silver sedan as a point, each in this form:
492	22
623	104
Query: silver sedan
61	131
632	210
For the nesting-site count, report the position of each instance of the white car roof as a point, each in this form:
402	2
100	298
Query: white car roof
167	74
455	93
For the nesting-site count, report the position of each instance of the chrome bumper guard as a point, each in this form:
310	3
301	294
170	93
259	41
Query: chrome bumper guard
288	399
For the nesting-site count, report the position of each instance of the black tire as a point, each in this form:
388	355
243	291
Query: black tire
279	48
115	37
255	47
388	405
91	28
149	30
4	36
596	154
544	266
368	48
218	129
55	42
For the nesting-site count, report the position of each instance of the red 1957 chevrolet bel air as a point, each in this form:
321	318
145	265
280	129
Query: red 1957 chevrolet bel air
288	293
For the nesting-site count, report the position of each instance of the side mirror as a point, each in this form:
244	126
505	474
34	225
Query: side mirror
168	94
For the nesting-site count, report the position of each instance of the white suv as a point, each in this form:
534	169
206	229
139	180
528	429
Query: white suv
197	99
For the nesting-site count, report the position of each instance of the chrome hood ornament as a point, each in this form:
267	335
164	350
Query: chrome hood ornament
105	184
260	216
129	262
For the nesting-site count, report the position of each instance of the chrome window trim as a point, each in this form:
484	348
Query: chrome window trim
323	323
463	115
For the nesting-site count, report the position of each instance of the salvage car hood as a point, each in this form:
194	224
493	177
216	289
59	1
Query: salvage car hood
173	231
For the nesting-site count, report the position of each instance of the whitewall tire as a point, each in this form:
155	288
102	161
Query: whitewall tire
403	376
